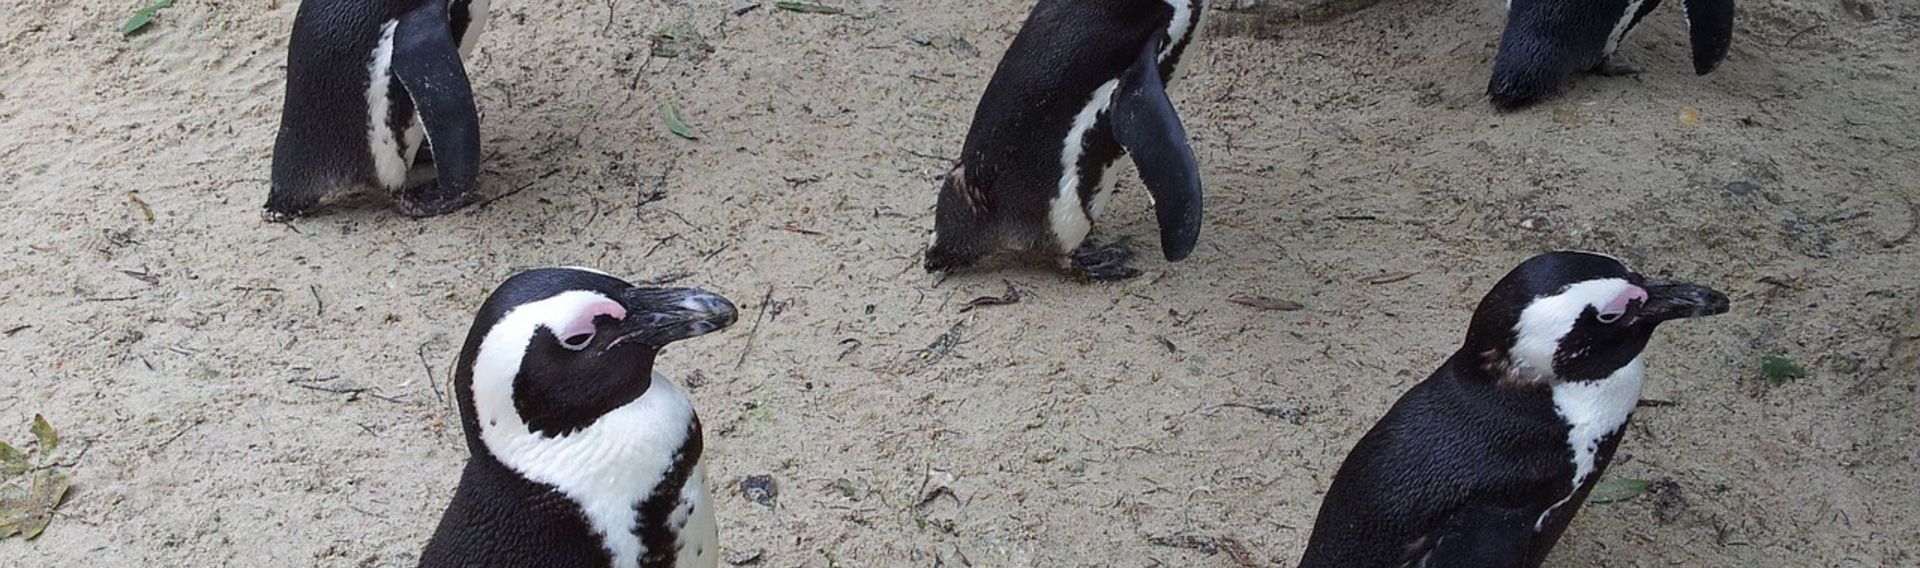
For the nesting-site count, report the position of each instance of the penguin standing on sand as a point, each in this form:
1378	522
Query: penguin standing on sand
582	454
1548	40
369	83
1484	463
1083	84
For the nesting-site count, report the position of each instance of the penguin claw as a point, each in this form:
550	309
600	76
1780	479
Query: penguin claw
427	201
1103	263
272	216
1616	65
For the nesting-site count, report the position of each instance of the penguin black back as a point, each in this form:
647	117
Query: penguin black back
1486	461
582	455
369	83
1082	84
1548	40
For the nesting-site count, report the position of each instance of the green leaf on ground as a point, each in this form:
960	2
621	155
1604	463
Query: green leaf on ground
1778	369
12	461
29	492
1617	489
143	17
44	432
679	127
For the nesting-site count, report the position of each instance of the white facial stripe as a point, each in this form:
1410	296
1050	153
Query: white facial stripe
1594	410
607	468
388	165
1620	28
1549	318
506	345
1068	217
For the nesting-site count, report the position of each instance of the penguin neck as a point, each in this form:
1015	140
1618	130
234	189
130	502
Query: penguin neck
1616	393
613	465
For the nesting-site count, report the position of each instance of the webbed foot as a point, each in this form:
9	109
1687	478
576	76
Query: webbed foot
1104	263
428	200
1617	65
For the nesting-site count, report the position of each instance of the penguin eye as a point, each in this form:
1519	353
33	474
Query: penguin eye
1609	317
577	341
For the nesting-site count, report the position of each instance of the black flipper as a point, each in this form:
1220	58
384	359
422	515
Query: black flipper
426	59
1710	25
1485	537
1144	122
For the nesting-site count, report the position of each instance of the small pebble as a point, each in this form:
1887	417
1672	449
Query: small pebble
760	488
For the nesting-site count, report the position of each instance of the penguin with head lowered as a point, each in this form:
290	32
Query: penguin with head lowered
1083	84
371	84
1484	463
1548	40
582	453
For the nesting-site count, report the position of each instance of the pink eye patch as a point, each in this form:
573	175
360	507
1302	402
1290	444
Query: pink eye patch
584	322
1619	304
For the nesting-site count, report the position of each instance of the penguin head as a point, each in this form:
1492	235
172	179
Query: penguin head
1577	316
552	350
963	227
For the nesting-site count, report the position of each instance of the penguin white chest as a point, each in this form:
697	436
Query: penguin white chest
611	467
1594	410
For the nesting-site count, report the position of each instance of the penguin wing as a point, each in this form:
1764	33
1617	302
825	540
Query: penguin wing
1710	27
427	61
1483	536
1145	123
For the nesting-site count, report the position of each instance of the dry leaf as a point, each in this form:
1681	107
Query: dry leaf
1690	117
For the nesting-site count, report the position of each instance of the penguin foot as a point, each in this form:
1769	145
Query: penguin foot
1106	263
1616	65
429	201
272	216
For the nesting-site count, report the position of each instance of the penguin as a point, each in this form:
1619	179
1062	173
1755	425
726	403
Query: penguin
1485	462
371	85
582	453
1083	84
1548	40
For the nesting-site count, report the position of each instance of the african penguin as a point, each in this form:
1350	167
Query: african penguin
1485	462
1083	84
369	83
1548	40
582	453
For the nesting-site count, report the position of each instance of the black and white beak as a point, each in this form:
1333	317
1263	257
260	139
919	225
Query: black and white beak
1671	300
658	316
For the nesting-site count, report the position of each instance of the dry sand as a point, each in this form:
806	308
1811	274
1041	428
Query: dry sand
1089	425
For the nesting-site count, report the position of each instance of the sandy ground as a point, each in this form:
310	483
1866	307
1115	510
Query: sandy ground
1089	425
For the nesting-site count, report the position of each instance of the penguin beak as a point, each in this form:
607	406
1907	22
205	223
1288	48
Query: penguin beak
658	316
1671	300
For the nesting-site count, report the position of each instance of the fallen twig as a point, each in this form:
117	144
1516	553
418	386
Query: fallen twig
1012	296
1390	278
755	332
1265	303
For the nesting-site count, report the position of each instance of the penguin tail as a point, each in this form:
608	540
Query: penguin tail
1710	30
